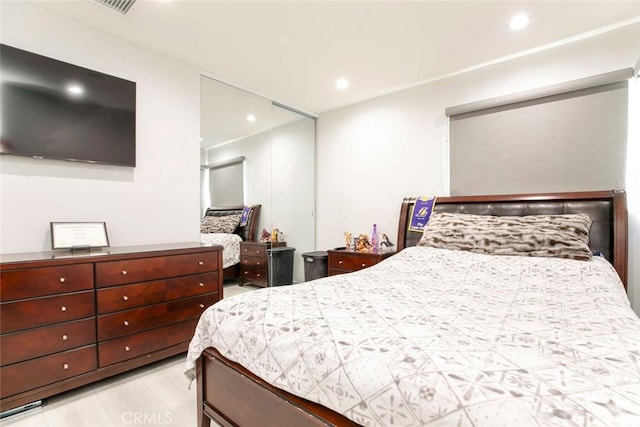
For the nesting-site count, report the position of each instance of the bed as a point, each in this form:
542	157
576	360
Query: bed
215	219
449	337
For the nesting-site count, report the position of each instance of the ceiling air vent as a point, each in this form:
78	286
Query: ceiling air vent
121	6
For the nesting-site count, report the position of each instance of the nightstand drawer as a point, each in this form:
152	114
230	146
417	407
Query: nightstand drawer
257	275
341	261
251	261
142	269
250	250
351	262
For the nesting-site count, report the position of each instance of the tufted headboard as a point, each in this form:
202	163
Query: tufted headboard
248	232
607	209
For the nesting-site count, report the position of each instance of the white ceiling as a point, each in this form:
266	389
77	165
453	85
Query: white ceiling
293	51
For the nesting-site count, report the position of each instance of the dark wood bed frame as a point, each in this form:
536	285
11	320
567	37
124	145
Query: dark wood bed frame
233	396
249	232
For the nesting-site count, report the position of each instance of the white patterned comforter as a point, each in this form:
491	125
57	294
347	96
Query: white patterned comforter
437	337
230	246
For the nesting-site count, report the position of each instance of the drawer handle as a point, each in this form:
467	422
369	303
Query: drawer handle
65	366
124	272
246	250
258	263
127	348
126	298
63	308
201	284
364	265
62	280
200	262
126	323
64	337
258	275
340	262
201	305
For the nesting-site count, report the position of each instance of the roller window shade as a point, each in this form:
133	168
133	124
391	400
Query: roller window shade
572	141
226	184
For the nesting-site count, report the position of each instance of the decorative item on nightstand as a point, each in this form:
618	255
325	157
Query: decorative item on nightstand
363	244
265	236
347	240
274	236
374	239
385	242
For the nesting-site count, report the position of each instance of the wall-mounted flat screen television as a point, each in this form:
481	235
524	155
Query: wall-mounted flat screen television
52	109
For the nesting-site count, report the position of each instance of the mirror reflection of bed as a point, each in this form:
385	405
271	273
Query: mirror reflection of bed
226	226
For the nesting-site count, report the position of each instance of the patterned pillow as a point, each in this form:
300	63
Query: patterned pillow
562	236
220	224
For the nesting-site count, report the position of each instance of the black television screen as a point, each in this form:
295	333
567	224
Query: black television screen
52	109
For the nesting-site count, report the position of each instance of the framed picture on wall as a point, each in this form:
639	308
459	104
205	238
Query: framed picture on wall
79	235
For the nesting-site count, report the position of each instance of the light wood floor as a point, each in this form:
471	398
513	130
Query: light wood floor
154	395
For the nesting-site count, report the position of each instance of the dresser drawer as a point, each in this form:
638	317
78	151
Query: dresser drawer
39	372
118	298
25	314
132	321
34	282
350	262
256	275
147	342
33	343
112	273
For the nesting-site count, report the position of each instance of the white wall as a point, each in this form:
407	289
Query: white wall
155	202
371	155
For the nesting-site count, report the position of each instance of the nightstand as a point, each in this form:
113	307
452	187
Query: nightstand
254	262
342	261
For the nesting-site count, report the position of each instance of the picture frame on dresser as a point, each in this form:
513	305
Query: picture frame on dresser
79	235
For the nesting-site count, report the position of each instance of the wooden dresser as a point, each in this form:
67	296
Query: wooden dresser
69	320
342	261
254	262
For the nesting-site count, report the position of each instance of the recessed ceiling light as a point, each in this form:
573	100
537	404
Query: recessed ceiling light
342	83
519	21
75	89
251	118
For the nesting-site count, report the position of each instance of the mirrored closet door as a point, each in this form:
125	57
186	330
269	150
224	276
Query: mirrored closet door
255	151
